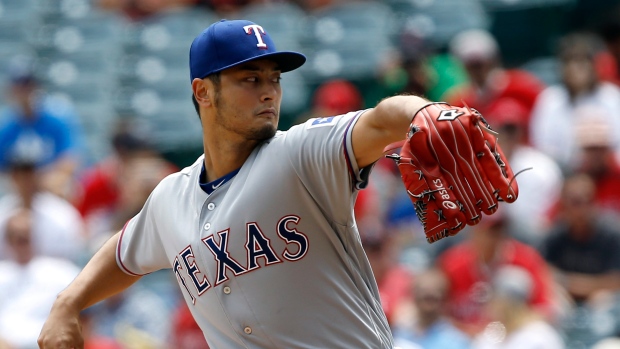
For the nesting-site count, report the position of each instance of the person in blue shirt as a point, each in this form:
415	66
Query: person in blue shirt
429	328
28	127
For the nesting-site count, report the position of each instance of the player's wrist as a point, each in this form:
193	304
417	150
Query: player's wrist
67	303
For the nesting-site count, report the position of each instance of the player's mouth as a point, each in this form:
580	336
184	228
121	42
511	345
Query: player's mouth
269	112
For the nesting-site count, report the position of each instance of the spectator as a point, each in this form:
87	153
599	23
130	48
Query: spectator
489	81
430	328
393	279
560	107
57	227
29	283
471	265
598	161
516	324
583	248
418	68
31	128
111	187
333	97
539	188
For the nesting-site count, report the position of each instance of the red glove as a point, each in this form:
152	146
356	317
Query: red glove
453	169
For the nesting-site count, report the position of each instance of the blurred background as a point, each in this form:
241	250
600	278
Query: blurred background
95	110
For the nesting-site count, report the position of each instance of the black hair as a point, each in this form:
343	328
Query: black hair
215	79
580	43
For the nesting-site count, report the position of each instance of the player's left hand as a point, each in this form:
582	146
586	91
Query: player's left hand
453	169
62	330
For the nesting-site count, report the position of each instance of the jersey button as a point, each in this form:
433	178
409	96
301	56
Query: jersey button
211	206
226	290
207	226
247	330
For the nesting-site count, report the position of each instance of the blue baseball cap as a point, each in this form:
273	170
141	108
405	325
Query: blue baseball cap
225	44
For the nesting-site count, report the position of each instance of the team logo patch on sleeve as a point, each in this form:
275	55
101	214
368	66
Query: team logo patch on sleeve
321	122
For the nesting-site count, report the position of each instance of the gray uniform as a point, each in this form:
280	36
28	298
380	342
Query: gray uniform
272	258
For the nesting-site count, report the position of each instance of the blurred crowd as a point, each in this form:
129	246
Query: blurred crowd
543	272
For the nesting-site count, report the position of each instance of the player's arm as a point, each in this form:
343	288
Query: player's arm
387	123
100	279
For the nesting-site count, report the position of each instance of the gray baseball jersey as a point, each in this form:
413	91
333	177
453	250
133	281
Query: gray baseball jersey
272	258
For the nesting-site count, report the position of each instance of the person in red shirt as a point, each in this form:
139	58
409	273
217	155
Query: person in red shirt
489	81
471	265
119	182
599	161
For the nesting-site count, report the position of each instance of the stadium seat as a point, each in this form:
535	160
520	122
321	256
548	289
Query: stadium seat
175	125
91	32
168	30
58	9
143	98
347	40
17	30
16	9
350	24
439	20
65	68
348	62
168	66
285	22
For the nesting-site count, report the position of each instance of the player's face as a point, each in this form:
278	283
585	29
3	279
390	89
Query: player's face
248	99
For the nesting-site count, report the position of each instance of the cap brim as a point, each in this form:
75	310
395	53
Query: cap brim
286	60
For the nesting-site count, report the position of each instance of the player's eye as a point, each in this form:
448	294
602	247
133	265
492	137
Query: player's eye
277	79
252	79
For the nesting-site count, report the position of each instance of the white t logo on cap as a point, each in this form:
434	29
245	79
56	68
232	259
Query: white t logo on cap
256	29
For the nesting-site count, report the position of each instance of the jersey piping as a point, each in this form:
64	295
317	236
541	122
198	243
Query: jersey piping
119	260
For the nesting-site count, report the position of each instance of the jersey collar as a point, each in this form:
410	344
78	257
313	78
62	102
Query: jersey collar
210	187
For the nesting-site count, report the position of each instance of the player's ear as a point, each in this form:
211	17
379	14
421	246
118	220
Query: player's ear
201	92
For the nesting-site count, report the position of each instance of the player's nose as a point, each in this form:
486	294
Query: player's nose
269	91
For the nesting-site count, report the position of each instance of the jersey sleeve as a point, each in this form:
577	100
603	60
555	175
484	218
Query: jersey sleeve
321	153
140	249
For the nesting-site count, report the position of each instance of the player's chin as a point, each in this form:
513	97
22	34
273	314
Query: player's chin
263	132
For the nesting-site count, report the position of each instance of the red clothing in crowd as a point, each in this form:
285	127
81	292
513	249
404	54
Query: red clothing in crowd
608	189
607	68
515	84
99	188
186	333
469	280
101	185
394	290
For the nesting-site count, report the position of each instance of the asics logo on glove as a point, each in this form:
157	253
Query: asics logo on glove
442	191
449	205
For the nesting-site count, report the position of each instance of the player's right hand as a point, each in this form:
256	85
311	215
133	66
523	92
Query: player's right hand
62	330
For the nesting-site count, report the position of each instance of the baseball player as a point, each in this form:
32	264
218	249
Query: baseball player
259	231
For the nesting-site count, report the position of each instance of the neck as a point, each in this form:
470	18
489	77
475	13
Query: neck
225	154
